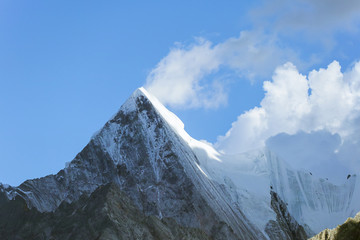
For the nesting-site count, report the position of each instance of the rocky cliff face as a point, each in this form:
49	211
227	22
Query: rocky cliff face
285	226
350	230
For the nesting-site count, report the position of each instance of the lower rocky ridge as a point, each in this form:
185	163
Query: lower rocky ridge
285	226
106	214
350	230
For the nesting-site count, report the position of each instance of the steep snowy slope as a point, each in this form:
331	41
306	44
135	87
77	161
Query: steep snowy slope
314	203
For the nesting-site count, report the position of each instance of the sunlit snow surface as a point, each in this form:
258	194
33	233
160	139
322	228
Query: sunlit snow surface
250	176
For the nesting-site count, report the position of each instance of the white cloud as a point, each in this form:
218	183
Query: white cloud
183	77
311	25
313	122
287	107
313	17
332	99
285	101
176	79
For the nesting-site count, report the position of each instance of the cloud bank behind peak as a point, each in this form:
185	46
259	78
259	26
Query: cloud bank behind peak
325	101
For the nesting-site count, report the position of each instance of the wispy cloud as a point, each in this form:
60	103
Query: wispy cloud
183	77
176	80
321	16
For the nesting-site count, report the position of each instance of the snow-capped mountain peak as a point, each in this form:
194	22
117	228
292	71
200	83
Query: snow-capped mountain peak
146	151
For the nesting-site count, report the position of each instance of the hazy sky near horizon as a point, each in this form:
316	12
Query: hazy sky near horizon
236	73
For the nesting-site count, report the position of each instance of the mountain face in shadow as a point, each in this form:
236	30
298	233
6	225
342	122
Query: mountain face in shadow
106	214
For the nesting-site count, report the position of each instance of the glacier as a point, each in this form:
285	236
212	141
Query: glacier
315	203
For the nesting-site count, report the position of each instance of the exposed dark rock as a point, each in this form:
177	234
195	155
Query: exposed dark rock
107	214
285	226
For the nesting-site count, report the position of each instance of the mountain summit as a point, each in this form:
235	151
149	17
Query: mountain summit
144	152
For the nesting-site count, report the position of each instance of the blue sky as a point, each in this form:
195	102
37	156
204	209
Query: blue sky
66	67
